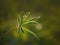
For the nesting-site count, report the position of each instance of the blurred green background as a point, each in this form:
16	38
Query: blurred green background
48	29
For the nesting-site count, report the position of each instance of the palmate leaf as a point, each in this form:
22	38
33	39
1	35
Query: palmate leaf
23	20
24	28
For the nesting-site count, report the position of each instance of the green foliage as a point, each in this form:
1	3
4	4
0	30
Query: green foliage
22	23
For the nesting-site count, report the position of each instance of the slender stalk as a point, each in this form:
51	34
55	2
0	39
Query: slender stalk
6	33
